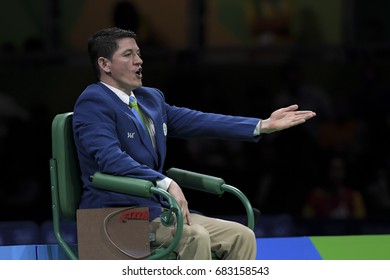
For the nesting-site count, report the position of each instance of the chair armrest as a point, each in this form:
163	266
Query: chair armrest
213	185
121	184
196	181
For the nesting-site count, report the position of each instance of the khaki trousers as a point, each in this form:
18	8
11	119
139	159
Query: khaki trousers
228	240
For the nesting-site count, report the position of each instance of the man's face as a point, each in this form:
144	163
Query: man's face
124	66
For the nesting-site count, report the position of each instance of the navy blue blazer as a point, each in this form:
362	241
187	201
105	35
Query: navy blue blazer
110	139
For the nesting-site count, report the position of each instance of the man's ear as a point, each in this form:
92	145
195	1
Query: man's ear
105	65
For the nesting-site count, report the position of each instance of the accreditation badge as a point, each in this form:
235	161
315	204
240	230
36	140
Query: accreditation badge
165	129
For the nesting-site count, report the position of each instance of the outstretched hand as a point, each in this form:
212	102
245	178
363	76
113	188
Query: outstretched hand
285	118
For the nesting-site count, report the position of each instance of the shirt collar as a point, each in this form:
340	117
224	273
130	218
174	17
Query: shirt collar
121	94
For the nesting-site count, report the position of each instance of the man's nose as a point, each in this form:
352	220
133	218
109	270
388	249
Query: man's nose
138	59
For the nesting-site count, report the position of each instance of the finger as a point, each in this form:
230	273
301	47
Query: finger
185	213
310	113
307	116
296	122
187	216
189	219
291	107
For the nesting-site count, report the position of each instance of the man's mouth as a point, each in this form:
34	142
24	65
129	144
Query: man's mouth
139	72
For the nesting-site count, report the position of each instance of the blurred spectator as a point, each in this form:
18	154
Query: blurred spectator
24	153
333	197
371	103
126	16
378	193
270	21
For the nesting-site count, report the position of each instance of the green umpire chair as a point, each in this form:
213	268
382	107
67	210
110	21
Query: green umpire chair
66	188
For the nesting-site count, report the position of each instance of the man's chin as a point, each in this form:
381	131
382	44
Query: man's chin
135	86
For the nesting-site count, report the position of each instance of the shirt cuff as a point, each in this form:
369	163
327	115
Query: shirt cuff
164	183
257	129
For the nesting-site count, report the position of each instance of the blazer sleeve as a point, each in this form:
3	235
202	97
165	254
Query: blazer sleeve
190	124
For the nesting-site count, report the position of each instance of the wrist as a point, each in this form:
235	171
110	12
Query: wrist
264	126
164	183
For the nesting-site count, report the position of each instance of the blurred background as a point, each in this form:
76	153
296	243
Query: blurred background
330	176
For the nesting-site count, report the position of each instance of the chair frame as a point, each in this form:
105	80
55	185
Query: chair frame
66	186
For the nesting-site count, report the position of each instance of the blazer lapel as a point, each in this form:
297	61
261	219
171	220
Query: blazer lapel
154	116
141	131
144	136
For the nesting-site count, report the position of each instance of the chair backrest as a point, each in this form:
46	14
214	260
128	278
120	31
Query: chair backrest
68	178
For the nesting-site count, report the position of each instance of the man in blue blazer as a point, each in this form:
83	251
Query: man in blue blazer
114	138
